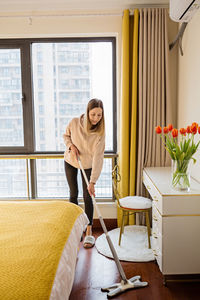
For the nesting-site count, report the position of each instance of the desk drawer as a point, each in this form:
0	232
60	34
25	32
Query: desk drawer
155	195
156	229
156	220
156	242
156	239
159	258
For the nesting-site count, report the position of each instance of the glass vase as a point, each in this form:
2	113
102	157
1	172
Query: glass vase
181	174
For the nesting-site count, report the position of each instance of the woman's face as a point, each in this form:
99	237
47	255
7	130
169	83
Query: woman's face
95	115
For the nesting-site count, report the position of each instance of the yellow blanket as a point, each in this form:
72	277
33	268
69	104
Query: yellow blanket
32	238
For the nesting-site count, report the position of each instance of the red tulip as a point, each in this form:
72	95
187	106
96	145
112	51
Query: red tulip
194	128
170	127
165	130
189	129
174	132
158	130
196	124
183	131
199	130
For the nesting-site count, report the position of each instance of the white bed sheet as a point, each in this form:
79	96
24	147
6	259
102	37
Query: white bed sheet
64	278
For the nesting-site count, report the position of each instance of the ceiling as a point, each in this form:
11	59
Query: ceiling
39	6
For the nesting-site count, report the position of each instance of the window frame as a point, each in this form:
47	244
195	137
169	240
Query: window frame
25	46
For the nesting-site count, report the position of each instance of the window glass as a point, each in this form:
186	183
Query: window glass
65	77
11	113
13	182
52	183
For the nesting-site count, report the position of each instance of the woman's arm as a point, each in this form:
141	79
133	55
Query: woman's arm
98	157
67	136
91	189
68	141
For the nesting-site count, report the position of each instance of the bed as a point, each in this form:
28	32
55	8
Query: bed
39	243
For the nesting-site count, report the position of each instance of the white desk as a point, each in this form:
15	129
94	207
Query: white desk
175	223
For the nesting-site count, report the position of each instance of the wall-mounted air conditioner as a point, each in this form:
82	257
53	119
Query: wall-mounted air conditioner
183	10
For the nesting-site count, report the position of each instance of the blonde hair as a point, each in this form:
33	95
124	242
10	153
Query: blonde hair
99	128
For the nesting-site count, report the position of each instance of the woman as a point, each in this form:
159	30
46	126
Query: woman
85	137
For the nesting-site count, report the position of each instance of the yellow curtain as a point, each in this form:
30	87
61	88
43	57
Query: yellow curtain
128	112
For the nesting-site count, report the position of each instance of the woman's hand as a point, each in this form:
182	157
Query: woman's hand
74	151
91	189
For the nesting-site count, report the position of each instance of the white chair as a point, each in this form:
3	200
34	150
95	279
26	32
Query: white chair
131	205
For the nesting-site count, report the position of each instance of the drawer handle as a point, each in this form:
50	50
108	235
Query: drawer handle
155	219
154	235
154	252
154	198
148	187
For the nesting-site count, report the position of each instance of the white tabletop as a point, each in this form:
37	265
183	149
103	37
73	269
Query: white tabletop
161	178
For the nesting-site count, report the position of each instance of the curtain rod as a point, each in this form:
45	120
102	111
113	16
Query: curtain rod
92	14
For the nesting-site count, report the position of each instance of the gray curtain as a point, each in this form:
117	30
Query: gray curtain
154	101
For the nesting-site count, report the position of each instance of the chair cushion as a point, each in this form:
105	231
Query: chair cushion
135	202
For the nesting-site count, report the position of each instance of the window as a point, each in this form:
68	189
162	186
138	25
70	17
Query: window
43	84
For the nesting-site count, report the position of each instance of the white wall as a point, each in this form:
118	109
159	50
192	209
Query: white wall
59	25
189	82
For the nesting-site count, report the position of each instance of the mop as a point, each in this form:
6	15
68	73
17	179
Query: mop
125	284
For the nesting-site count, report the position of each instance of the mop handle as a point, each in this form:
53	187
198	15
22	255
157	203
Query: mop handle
114	253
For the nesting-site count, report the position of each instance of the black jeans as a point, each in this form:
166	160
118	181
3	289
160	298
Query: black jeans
71	175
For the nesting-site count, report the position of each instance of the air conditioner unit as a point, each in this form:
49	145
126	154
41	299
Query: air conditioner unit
183	10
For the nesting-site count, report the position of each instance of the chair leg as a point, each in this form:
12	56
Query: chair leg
133	218
121	228
125	214
148	228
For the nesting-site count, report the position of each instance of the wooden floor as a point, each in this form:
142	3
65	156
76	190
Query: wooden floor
94	271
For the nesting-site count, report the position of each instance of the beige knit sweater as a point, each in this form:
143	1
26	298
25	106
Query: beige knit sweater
91	147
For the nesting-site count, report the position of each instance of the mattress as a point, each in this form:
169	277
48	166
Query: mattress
39	243
64	278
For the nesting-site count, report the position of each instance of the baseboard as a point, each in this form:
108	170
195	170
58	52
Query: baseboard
181	278
110	224
108	210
